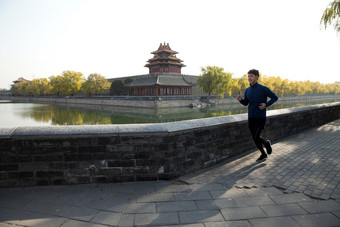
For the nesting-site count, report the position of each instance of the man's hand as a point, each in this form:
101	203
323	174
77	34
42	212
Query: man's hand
238	97
262	106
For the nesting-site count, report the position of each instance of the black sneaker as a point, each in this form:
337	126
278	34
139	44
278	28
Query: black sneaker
269	147
262	158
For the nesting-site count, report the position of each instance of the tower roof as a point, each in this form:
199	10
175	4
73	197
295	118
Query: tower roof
164	55
21	79
164	48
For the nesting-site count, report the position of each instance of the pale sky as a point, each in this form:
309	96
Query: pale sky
41	38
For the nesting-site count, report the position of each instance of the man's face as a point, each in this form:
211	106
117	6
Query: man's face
252	79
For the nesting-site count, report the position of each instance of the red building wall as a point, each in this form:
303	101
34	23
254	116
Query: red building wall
165	69
159	91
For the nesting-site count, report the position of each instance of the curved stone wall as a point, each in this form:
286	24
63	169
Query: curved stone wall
116	153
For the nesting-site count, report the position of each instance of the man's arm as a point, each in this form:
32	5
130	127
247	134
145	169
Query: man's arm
273	97
243	101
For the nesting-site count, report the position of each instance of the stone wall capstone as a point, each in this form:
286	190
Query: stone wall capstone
138	152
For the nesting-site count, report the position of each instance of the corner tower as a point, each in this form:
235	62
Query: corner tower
164	61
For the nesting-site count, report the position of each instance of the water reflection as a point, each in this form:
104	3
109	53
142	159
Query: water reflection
94	115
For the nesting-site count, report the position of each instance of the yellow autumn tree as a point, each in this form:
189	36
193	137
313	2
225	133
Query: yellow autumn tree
40	87
95	84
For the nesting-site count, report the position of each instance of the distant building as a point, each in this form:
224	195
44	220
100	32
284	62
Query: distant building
164	76
5	93
164	61
21	79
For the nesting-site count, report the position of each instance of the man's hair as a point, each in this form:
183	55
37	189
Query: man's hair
254	72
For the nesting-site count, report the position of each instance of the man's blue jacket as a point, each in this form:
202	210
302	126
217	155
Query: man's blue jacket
254	96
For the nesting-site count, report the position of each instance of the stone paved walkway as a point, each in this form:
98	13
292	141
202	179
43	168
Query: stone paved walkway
308	162
298	185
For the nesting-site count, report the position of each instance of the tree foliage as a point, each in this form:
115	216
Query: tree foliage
214	80
127	81
40	86
20	89
68	83
331	15
35	87
95	84
57	85
282	87
118	88
72	82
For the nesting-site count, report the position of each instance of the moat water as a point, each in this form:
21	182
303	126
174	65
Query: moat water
34	114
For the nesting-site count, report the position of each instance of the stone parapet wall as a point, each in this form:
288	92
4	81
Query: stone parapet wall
138	152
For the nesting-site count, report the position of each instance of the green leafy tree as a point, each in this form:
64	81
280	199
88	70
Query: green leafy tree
40	87
95	84
242	83
117	88
214	80
127	81
331	15
57	85
20	89
72	82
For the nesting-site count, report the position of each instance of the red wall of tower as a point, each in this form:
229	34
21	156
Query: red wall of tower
164	69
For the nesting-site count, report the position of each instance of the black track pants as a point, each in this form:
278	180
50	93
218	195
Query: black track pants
256	125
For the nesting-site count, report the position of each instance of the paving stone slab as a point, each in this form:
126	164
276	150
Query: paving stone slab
228	194
117	205
283	210
43	207
215	204
156	219
74	223
206	187
127	220
316	220
321	206
41	222
139	208
253	201
290	198
173	188
228	224
276	221
107	218
242	213
176	206
2	224
263	191
156	197
197	195
15	216
336	214
77	213
200	216
186	225
12	201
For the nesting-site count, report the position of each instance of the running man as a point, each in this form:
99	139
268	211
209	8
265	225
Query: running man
255	97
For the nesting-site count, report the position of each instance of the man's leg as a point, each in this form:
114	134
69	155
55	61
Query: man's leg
259	141
256	126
